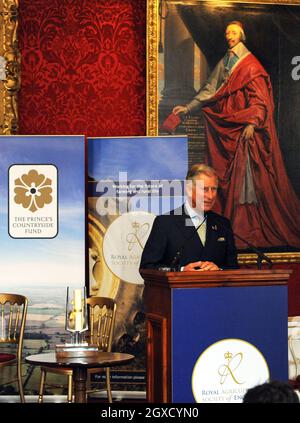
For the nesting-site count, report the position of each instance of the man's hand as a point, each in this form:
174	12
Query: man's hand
180	109
247	133
201	266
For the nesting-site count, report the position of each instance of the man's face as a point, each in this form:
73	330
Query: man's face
202	192
233	35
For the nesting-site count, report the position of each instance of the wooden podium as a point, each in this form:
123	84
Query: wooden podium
189	311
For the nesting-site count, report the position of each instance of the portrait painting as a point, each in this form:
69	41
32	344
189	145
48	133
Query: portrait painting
227	75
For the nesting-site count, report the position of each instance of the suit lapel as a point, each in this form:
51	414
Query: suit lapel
211	234
193	247
185	224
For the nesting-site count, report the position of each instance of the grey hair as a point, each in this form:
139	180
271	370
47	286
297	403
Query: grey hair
200	169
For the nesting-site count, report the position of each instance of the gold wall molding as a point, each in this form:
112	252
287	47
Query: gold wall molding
9	86
152	67
251	258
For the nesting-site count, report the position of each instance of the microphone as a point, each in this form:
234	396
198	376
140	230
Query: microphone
260	255
174	264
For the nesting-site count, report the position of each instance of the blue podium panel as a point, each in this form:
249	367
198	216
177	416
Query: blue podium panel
206	319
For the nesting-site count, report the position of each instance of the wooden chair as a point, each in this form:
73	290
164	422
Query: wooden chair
102	316
13	312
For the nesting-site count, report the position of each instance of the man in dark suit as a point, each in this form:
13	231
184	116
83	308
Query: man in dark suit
174	240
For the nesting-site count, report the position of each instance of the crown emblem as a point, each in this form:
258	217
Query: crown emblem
228	355
135	225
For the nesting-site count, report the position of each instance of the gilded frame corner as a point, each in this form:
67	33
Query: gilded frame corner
152	90
10	81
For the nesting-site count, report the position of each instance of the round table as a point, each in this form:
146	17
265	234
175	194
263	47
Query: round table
79	365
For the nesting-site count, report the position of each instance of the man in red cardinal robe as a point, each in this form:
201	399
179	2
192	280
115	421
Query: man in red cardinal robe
243	148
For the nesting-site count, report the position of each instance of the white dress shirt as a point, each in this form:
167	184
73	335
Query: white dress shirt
197	218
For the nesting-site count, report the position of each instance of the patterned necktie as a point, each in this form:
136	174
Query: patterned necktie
202	231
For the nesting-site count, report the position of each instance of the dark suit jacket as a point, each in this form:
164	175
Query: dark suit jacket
171	233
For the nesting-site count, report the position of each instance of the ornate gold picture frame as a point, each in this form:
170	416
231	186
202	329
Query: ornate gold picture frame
157	12
9	67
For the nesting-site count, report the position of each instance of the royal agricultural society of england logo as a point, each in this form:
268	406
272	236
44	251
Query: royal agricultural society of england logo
33	206
226	370
123	244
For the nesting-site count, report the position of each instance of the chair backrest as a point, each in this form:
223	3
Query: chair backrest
102	317
13	312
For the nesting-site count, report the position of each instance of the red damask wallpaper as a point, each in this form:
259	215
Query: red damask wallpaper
83	67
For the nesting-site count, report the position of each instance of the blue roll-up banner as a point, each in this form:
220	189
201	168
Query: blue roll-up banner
42	235
131	180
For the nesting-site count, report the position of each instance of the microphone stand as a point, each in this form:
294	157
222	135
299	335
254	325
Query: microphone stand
175	262
260	256
174	267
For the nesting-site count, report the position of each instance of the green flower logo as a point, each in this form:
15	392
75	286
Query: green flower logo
33	190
